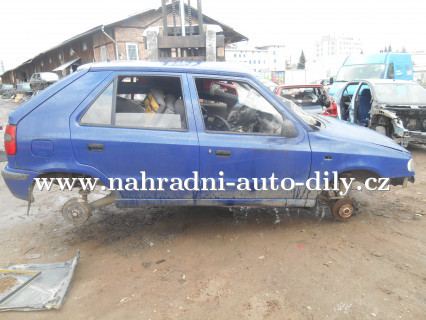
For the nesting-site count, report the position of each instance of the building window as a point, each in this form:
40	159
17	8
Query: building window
71	52
50	60
84	46
235	55
132	51
60	57
103	53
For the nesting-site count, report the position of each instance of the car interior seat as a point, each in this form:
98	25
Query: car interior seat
154	102
170	104
180	109
364	106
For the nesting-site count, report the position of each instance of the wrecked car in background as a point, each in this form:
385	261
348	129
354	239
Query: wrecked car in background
7	91
42	80
171	120
395	108
312	98
4	87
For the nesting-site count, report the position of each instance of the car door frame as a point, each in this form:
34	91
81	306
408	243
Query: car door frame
301	127
121	199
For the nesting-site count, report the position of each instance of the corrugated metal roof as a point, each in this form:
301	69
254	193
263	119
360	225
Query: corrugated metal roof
66	64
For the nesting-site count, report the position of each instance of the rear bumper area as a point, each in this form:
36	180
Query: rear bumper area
18	181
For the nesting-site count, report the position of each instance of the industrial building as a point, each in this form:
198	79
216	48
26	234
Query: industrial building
120	40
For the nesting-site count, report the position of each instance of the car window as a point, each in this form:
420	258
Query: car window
400	93
234	106
100	111
306	96
146	102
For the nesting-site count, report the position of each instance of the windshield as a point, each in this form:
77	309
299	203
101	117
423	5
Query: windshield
361	71
400	93
252	99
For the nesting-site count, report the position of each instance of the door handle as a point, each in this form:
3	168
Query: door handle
96	147
223	153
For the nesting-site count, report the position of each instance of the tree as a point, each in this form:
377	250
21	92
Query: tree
390	48
386	49
302	61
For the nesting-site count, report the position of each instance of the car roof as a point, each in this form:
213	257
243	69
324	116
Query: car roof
386	81
303	86
176	66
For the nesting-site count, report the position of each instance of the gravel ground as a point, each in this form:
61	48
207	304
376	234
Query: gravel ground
219	263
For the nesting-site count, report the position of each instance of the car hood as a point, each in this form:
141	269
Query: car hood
339	129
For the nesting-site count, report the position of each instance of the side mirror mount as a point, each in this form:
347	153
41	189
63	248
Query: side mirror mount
331	80
288	129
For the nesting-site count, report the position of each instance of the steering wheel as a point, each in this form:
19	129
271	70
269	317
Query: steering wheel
217	123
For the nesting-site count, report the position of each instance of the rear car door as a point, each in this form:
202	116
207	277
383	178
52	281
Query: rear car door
116	132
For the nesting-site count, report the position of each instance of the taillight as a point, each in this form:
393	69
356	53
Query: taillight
10	140
331	111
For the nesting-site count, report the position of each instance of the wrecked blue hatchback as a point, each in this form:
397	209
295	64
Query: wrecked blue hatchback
190	133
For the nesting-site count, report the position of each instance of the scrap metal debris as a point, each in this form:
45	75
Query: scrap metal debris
37	286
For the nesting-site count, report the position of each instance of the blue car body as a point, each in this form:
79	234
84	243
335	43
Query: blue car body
51	139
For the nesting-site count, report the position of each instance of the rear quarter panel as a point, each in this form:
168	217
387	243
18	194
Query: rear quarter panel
47	126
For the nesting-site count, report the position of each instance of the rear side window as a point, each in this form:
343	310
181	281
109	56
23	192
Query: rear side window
145	102
100	111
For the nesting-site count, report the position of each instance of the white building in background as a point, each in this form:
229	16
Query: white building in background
1	67
261	60
330	53
338	45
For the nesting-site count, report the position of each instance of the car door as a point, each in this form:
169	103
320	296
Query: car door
247	162
343	99
113	132
360	104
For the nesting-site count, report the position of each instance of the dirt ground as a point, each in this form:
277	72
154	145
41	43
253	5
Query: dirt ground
210	263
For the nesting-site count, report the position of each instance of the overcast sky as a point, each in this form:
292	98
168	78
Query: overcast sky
29	27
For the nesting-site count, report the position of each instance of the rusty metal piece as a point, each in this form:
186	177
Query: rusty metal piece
200	19
164	13
343	209
76	210
84	193
102	202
